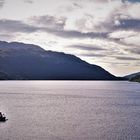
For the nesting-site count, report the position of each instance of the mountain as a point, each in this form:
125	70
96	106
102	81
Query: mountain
28	61
132	75
135	78
4	76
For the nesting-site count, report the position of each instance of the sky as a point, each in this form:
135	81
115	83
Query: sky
101	32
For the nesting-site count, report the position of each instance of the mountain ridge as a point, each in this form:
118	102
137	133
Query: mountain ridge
31	62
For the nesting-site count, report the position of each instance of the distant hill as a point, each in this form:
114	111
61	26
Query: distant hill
132	75
27	61
135	78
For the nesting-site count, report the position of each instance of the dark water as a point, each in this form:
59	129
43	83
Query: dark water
70	110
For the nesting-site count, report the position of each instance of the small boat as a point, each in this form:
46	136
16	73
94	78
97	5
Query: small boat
3	119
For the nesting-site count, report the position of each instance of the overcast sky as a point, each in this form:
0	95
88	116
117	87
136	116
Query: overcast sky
102	32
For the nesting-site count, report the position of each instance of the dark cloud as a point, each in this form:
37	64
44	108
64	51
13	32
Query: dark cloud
77	5
129	24
49	21
76	34
133	1
12	26
92	55
126	58
134	50
54	27
87	47
94	1
1	3
126	25
28	1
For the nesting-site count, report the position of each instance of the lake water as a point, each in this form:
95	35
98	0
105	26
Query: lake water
70	110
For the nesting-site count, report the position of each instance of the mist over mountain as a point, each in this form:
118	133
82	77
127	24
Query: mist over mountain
31	62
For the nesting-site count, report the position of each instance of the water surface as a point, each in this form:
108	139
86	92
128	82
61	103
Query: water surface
70	110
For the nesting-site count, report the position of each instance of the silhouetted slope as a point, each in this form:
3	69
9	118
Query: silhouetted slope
135	78
27	61
132	75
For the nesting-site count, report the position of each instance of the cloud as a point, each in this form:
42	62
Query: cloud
89	15
52	26
28	1
104	16
132	40
77	5
56	26
91	55
48	21
1	3
124	63
121	34
132	10
76	34
13	26
126	24
127	58
134	50
126	37
86	47
133	1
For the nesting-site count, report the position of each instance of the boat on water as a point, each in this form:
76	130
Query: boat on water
2	117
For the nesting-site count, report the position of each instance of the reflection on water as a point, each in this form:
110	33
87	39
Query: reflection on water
70	110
